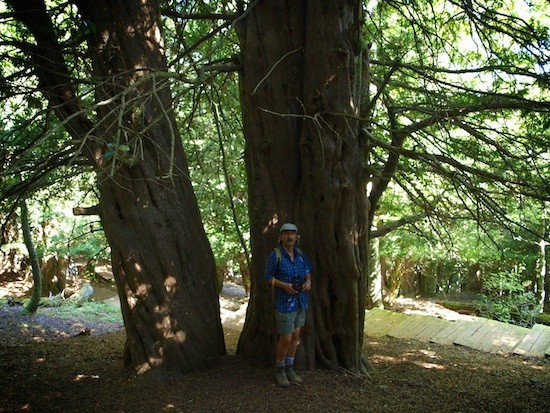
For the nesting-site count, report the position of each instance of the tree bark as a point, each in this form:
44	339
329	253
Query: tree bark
162	262
304	164
34	301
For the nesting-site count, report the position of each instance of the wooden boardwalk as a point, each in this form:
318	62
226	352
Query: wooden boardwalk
478	333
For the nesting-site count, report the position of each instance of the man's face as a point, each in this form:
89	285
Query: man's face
289	237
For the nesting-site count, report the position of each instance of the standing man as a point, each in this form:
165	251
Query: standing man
288	273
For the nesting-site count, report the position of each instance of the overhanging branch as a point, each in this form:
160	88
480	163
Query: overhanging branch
83	211
380	231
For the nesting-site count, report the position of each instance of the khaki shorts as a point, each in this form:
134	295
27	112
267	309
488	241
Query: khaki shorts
288	322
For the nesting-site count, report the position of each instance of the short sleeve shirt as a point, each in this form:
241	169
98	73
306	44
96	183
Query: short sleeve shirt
288	271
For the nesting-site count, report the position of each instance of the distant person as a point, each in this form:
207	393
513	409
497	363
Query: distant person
288	272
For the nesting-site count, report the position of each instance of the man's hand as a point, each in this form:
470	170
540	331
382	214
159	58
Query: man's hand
289	289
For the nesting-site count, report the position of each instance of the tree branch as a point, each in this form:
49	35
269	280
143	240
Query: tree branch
93	210
385	229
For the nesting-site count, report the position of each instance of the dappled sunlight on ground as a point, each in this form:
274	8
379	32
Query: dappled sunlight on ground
85	373
17	289
422	306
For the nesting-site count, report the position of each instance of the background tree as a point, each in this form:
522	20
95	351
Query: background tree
465	111
214	139
33	303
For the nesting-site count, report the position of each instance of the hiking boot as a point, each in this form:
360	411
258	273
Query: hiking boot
292	376
282	379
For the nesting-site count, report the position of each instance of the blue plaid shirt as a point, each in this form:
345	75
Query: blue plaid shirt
288	271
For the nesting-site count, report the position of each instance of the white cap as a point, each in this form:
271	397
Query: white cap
288	227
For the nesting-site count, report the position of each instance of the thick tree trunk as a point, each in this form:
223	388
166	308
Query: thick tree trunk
304	163
162	261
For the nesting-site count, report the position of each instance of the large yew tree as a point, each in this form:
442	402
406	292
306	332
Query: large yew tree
162	262
300	99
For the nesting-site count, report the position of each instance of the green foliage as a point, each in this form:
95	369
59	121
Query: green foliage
61	232
470	186
503	284
219	177
215	147
451	243
56	231
507	299
521	309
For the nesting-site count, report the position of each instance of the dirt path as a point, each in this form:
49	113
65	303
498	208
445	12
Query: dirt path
84	373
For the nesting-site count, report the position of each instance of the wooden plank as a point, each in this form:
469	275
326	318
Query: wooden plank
375	319
461	328
535	342
441	336
394	320
492	342
417	324
482	334
464	334
525	345
398	327
494	337
372	317
430	328
509	337
379	323
477	337
406	327
373	312
541	344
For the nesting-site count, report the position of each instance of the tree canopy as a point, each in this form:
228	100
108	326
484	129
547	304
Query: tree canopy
464	83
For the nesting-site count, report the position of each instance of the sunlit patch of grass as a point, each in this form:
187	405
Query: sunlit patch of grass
543	318
91	310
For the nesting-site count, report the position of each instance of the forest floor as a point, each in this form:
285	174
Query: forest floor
54	363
